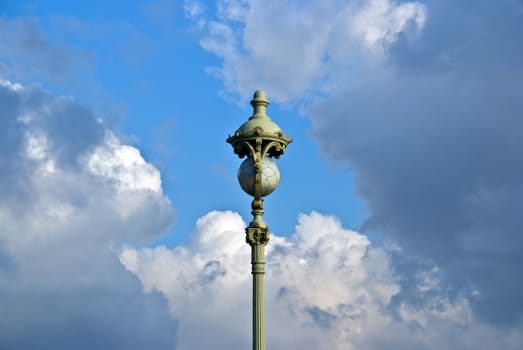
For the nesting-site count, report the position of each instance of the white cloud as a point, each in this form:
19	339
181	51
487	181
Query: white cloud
124	165
292	49
10	85
380	21
234	10
326	288
430	138
72	195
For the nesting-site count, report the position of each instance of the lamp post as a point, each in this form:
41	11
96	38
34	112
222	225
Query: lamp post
260	140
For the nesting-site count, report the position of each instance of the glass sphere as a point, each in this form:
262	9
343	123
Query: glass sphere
270	176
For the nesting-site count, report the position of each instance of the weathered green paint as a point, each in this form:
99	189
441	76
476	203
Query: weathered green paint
257	137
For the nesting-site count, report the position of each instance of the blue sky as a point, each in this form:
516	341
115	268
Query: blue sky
397	220
148	79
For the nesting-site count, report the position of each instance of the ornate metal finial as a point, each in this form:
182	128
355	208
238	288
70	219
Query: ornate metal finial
259	102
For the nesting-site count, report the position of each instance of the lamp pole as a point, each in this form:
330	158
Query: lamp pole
260	140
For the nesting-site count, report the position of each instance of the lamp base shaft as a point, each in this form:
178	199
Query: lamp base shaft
258	317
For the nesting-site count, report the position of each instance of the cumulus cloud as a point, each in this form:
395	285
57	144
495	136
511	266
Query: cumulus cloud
433	139
326	288
72	195
306	44
422	100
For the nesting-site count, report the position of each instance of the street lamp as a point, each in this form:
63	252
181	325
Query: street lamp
260	140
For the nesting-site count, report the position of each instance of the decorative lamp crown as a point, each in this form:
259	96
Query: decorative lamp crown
259	132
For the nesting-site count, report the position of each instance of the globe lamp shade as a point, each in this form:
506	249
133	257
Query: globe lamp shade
270	176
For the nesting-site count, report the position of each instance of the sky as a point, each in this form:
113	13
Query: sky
397	220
